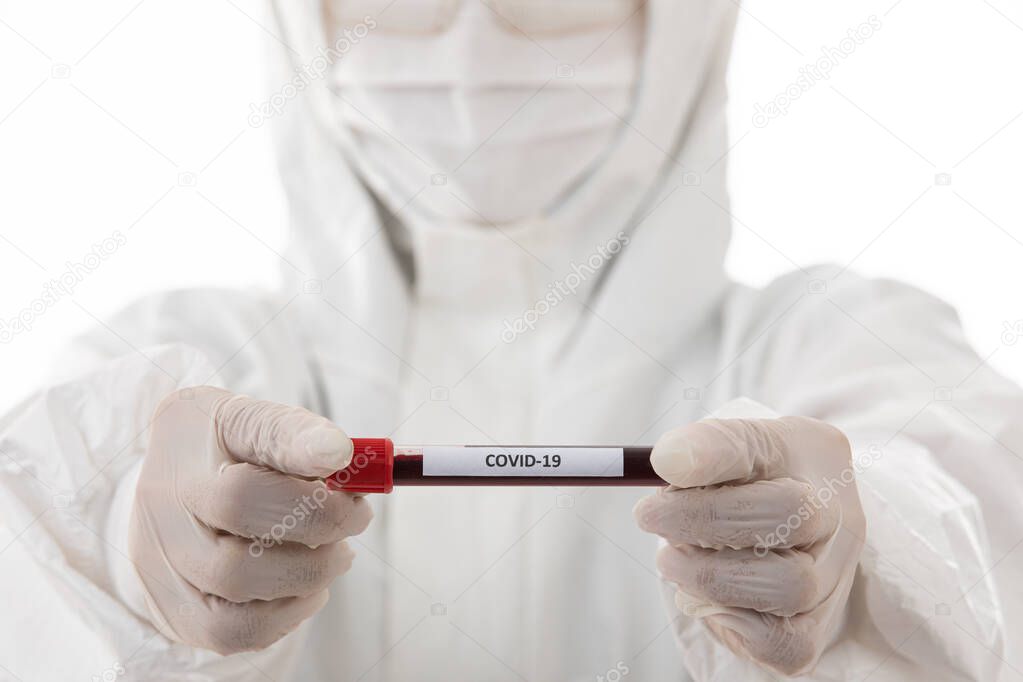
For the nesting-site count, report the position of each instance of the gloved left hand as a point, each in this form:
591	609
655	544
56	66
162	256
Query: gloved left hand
764	531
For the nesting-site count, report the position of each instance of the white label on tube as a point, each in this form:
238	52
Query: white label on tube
482	460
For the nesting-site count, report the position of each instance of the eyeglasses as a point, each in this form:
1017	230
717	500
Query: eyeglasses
531	17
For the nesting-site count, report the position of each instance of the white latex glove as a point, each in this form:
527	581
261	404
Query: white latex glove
764	532
232	536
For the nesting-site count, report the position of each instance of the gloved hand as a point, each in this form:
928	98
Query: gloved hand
232	536
764	532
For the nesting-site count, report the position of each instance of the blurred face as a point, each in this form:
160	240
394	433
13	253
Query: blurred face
484	110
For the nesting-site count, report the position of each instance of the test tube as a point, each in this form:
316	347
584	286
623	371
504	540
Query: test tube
378	465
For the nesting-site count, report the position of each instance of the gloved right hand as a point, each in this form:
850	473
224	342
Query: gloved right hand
233	536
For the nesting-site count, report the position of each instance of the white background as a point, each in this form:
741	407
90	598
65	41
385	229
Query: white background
108	111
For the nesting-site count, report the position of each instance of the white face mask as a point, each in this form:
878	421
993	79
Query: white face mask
486	112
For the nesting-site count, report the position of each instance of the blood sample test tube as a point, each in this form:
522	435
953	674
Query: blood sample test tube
378	465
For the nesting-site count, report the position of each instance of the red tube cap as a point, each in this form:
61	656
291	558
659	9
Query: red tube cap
371	469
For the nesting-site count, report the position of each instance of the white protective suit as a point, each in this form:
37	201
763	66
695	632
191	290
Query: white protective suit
395	326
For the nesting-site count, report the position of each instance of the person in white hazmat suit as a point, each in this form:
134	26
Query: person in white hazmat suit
509	221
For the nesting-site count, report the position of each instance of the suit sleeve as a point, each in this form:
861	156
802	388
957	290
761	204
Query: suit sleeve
936	440
69	458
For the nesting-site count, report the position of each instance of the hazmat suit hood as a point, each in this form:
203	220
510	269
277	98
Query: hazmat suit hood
660	182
